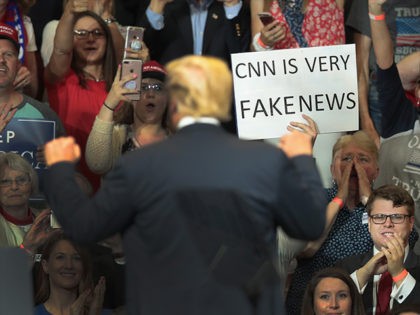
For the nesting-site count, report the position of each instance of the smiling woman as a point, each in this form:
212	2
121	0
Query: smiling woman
63	280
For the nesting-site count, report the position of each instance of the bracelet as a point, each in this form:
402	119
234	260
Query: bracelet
338	201
379	17
110	20
21	246
260	42
110	108
400	276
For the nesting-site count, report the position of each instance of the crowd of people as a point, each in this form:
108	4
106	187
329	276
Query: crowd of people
154	206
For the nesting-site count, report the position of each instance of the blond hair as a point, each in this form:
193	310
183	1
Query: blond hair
361	139
200	86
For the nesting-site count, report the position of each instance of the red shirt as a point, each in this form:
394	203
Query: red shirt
77	108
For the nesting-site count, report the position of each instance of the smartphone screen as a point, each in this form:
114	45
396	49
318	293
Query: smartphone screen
130	66
266	18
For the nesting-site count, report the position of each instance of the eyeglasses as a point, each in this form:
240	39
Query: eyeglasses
154	87
84	34
396	218
20	181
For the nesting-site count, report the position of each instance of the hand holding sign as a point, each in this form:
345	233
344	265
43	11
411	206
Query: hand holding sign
311	128
63	149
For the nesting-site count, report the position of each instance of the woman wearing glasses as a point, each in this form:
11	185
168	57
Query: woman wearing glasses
135	124
18	224
81	69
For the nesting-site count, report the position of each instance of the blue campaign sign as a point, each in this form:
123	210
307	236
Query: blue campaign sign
23	136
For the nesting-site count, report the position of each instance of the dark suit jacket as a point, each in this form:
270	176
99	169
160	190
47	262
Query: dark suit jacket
198	213
221	36
412	264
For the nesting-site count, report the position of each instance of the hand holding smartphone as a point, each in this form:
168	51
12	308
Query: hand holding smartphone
266	18
133	38
131	66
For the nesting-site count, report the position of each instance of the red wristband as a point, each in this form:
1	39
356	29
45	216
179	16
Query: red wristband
400	276
379	17
25	249
260	42
338	201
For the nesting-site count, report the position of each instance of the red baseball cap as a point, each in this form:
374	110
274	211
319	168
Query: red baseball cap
8	32
153	69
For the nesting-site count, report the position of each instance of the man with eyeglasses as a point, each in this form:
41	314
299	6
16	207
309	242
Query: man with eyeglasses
387	275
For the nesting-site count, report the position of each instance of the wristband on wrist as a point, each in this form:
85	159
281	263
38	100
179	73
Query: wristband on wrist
338	201
21	246
110	108
379	17
260	42
400	276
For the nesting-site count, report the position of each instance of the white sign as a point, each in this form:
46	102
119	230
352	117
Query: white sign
273	88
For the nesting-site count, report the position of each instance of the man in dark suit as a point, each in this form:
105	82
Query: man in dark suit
198	212
391	219
176	28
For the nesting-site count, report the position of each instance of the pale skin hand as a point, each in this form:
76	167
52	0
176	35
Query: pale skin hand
158	6
375	6
78	306
375	266
391	258
95	307
103	8
296	143
343	182
364	184
6	115
63	149
76	6
39	232
311	128
142	54
23	78
273	33
116	94
394	253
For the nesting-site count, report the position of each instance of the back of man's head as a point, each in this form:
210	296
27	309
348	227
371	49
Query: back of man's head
200	86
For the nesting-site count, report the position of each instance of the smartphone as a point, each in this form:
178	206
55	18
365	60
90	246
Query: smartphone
53	222
133	38
130	66
266	18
